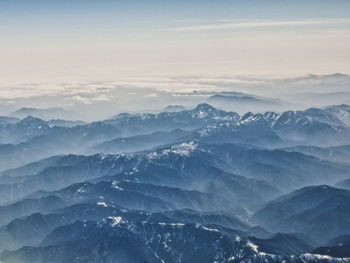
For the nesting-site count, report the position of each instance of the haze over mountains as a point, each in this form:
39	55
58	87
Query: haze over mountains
185	184
188	131
98	100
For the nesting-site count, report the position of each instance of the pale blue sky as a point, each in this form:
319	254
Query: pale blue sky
100	39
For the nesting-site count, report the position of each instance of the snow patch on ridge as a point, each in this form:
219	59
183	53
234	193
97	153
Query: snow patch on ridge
116	220
183	149
115	185
102	204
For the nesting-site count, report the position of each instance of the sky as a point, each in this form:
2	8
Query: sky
103	39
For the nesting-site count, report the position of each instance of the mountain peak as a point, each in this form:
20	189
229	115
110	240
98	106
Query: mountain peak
324	189
205	107
30	118
26	109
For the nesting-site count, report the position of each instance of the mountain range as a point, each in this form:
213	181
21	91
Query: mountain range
182	185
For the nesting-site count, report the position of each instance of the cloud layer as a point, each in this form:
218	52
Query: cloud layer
96	100
264	24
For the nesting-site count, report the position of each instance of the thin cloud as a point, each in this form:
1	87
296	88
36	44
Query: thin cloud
259	24
151	95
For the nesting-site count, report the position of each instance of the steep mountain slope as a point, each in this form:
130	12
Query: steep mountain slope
143	142
31	230
119	240
344	184
308	211
202	115
336	154
279	168
203	167
342	112
312	126
33	139
283	244
338	247
29	206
